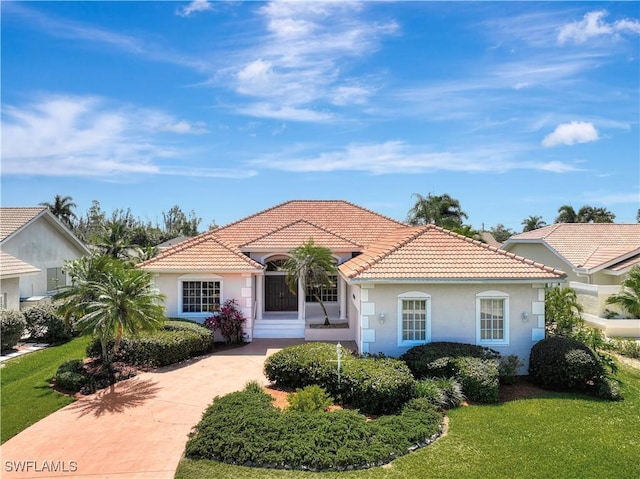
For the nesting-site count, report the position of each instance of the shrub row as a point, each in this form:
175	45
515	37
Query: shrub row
174	342
12	326
245	428
565	364
476	368
44	323
373	385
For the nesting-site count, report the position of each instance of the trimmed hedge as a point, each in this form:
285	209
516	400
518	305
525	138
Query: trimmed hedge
435	359
44	323
175	341
12	327
373	385
564	364
441	392
245	428
479	378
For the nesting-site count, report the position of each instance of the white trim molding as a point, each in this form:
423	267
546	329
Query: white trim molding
197	277
493	294
418	296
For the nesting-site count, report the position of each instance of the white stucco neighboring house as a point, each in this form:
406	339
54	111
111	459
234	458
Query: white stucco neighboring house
36	238
11	270
597	258
397	285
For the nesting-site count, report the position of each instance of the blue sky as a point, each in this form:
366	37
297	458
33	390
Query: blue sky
227	108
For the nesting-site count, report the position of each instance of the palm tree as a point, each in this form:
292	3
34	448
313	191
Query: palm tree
440	210
629	296
62	208
533	223
589	214
124	301
562	312
566	214
312	267
114	241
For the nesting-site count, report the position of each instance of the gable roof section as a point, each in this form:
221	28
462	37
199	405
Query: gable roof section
298	232
431	253
10	266
14	219
351	222
588	247
203	253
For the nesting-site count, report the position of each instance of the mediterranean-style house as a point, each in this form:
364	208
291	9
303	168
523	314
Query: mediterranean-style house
596	256
397	285
34	246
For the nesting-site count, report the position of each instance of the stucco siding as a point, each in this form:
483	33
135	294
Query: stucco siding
544	255
43	246
10	292
453	315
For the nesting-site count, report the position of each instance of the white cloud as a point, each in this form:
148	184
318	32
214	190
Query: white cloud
89	137
269	110
594	25
398	157
194	7
571	133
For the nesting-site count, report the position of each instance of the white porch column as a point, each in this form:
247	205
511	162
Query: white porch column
342	291
259	296
302	301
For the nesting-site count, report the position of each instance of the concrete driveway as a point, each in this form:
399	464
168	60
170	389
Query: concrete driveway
137	428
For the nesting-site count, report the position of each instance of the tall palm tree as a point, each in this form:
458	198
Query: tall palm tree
125	301
533	223
566	214
629	296
440	210
312	267
590	214
114	240
62	208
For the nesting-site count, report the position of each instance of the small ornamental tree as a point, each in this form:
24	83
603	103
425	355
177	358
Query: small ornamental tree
229	321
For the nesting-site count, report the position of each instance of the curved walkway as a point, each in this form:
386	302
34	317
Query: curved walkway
137	428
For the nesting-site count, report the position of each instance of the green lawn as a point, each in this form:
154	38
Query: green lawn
560	436
25	395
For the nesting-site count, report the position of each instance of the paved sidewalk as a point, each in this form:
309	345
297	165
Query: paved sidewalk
136	429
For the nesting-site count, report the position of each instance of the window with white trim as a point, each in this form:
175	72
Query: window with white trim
414	318
492	318
200	296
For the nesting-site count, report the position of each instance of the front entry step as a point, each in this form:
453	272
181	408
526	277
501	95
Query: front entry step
278	328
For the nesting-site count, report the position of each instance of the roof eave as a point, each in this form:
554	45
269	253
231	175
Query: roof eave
554	279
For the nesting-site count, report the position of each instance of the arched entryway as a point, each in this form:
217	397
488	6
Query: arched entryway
277	296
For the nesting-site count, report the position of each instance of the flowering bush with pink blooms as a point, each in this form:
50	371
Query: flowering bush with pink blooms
229	321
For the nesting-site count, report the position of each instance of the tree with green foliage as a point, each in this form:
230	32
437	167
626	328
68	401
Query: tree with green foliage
114	240
562	312
589	214
501	233
176	223
566	214
311	266
629	296
111	299
62	208
439	210
533	223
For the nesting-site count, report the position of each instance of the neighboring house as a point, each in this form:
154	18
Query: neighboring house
37	239
397	285
172	242
596	257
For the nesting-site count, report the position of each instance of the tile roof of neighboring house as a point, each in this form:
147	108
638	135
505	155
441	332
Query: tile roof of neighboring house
12	219
12	266
203	253
294	234
489	239
432	253
589	246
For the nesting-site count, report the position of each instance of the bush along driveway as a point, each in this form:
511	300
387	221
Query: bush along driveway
135	428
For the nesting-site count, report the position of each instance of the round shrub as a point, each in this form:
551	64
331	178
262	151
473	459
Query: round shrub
435	359
70	377
309	399
43	323
564	364
445	393
479	379
375	386
305	364
12	326
175	341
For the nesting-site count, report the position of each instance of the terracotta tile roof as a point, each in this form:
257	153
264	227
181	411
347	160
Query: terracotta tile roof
587	245
12	219
200	254
344	219
432	253
12	266
628	263
294	234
